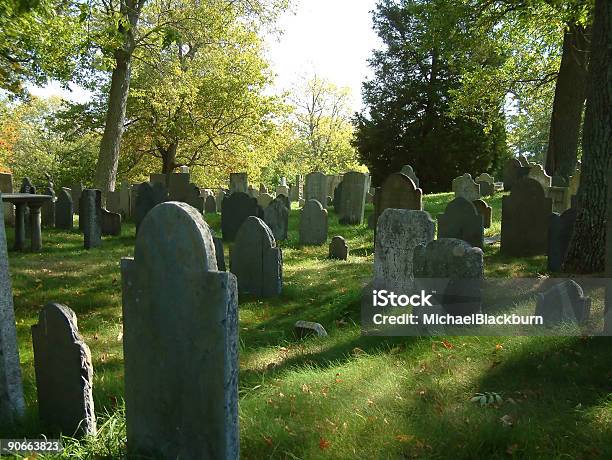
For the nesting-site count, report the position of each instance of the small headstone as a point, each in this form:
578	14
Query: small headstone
565	302
148	195
48	209
111	223
487	184
353	195
91	216
316	188
513	171
282	190
465	187
184	169
313	223
276	216
398	191
239	182
408	171
537	172
237	207
338	249
308	328
210	206
461	220
64	210
180	341
256	260
485	211
559	235
64	373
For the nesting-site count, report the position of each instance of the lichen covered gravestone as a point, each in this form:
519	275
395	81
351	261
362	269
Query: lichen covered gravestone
313	223
338	249
236	208
180	341
276	216
398	191
461	220
256	260
91	217
64	210
354	187
464	186
64	373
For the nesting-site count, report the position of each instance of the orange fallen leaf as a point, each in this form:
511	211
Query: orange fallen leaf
447	344
268	440
498	347
324	443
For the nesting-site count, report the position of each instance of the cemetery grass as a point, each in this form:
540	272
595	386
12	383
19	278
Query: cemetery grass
344	396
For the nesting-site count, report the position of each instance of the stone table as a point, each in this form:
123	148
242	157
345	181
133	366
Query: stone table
34	203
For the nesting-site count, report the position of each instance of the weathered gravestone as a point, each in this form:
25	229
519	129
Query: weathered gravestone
210	206
398	191
485	211
332	182
111	223
561	198
181	189
6	186
512	172
313	223
264	199
180	341
560	232
525	219
282	190
352	199
112	201
398	232
461	220
338	249
48	209
125	200
308	328
12	405
453	270
487	184
91	217
76	190
465	187
285	200
408	171
64	373
537	172
237	207
64	210
316	188
565	302
148	196
337	200
239	182
276	216
256	260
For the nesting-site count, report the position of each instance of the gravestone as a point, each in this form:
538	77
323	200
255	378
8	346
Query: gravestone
125	199
485	211
560	232
352	199
237	207
12	405
316	188
91	217
313	223
332	182
452	270
565	302
465	187
180	341
462	221
525	219
6	186
159	178
112	201
561	198
210	206
76	190
523	160
111	223
64	373
398	232
337	201
252	191
295	191
512	172
256	260
148	195
239	182
264	199
64	210
276	216
537	172
285	200
487	184
263	188
48	209
181	189
408	171
308	328
338	249
398	191
220	255
220	196
282	190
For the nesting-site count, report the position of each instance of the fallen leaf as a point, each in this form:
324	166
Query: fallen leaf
499	347
268	440
324	443
404	437
447	344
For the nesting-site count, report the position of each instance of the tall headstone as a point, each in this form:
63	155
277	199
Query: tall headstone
148	196
180	341
559	234
525	219
316	188
276	216
64	210
338	249
6	186
537	172
408	171
239	182
76	190
237	207
210	206
485	211
352	199
512	172
313	223
487	184
111	223
398	233
256	260
91	216
48	209
398	191
462	221
64	373
12	405
465	187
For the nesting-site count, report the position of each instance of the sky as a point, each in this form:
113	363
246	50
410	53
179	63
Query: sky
332	38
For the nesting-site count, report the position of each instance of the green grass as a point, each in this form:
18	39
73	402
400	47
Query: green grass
347	395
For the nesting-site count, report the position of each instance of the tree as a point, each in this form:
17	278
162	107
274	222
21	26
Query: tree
586	251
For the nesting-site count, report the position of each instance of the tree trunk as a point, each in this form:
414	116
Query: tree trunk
570	93
169	158
586	252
